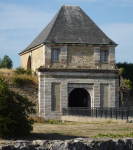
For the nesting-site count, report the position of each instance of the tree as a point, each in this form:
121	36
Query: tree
14	111
0	63
7	62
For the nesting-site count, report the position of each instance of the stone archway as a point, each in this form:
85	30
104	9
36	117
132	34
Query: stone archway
79	97
29	62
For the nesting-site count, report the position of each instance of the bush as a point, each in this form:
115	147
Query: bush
19	71
128	70
39	120
122	71
28	71
21	81
129	83
51	121
14	110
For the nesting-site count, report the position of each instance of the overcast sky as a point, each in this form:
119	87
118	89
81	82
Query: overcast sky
22	20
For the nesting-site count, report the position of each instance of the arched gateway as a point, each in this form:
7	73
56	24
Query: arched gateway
79	97
29	62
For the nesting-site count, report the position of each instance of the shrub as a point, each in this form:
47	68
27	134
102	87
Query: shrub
129	83
51	121
21	81
122	71
34	73
19	71
14	110
39	120
28	71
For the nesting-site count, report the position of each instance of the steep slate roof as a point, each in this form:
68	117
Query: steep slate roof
71	25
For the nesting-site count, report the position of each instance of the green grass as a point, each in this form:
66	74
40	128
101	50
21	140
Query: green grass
110	135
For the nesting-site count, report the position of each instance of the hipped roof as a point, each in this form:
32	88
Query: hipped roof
71	25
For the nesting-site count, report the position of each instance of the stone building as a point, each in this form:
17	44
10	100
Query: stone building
75	61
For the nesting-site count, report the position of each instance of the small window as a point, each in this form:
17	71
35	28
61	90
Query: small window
55	55
103	56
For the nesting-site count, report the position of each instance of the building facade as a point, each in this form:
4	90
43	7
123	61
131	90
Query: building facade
75	61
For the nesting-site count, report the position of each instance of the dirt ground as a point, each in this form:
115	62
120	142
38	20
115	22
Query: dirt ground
70	130
55	131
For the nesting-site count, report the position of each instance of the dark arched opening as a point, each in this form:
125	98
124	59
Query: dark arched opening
79	97
29	63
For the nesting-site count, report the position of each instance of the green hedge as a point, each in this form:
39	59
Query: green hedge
14	110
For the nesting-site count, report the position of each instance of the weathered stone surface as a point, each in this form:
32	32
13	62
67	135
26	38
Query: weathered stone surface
73	144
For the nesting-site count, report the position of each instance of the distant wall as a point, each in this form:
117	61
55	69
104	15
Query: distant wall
24	60
37	58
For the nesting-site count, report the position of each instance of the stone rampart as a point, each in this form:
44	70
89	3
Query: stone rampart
73	144
29	92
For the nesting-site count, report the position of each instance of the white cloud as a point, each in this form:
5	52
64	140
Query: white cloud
19	25
122	34
14	16
105	2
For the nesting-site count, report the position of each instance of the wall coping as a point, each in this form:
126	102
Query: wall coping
43	69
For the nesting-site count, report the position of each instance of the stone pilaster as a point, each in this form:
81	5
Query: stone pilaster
47	98
96	56
41	91
47	55
117	92
64	95
112	93
112	56
63	61
96	91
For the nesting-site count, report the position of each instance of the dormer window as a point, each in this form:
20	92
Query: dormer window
55	54
104	56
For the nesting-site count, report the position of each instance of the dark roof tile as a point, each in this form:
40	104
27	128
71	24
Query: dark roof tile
71	25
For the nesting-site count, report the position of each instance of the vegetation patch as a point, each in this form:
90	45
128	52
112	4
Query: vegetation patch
14	111
110	135
19	77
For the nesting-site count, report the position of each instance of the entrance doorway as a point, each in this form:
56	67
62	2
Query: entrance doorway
79	97
29	63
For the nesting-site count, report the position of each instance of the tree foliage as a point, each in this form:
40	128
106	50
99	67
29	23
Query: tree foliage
128	70
6	62
0	63
14	111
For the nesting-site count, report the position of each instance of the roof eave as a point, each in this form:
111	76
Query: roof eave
49	42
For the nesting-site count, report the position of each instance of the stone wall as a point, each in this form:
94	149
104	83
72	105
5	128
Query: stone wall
71	55
73	144
80	55
24	60
96	56
64	78
29	92
111	56
37	58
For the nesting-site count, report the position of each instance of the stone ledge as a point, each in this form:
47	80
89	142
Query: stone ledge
73	144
